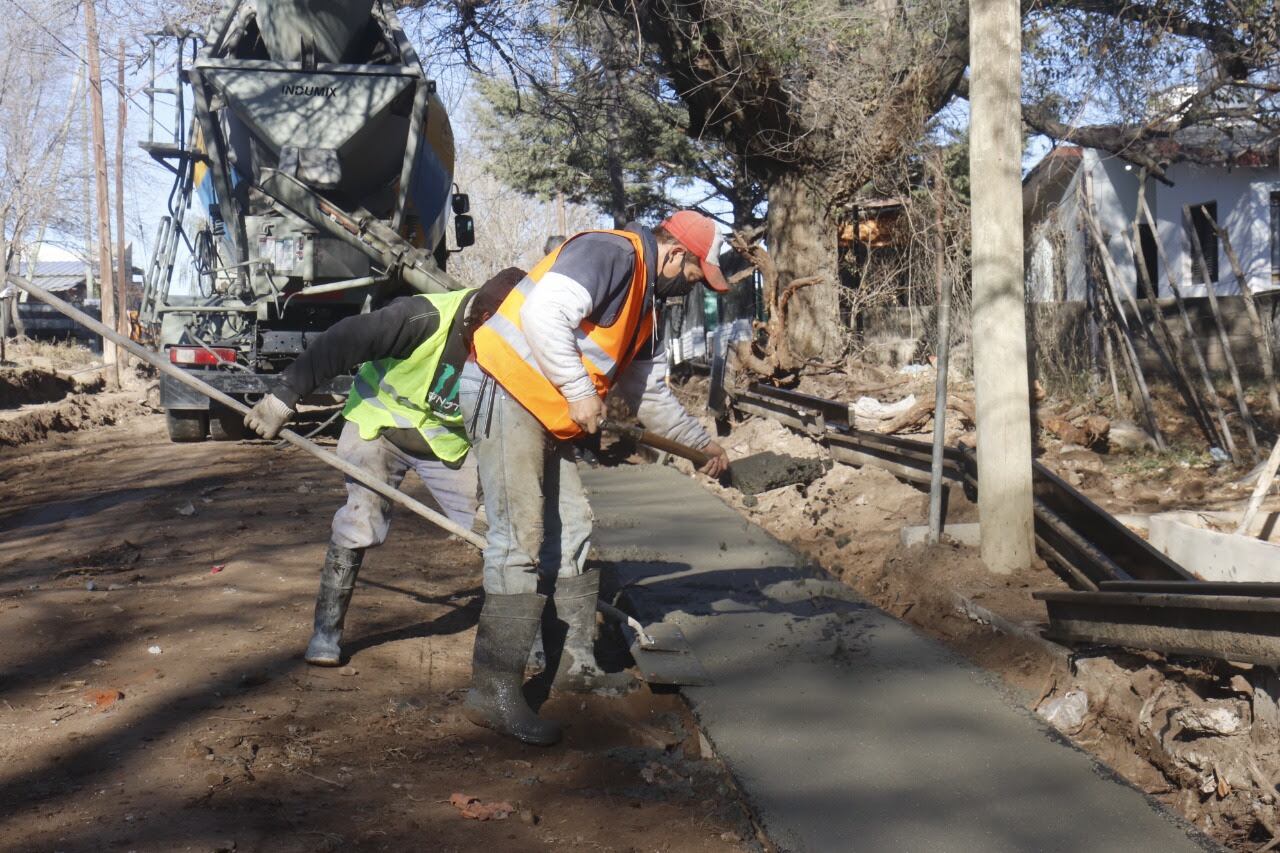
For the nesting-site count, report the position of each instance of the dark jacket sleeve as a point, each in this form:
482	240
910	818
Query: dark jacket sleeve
602	264
391	332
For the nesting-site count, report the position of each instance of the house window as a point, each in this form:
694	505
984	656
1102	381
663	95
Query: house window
1203	229
1148	257
1275	238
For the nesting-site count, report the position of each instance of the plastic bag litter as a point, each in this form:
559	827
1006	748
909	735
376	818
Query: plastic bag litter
1067	713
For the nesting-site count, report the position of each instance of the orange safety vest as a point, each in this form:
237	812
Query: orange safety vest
504	353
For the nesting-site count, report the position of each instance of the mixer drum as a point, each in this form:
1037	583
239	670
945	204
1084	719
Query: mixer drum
333	26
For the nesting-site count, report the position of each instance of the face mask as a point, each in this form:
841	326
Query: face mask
669	286
666	287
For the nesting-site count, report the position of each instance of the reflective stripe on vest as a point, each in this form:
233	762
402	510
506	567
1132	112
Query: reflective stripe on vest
398	392
504	352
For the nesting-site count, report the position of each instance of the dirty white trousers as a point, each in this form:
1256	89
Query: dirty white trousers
365	518
538	515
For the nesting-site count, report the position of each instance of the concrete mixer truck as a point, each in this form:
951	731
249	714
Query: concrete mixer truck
312	167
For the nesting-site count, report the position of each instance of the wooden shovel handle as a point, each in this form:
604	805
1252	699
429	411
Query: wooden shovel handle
657	442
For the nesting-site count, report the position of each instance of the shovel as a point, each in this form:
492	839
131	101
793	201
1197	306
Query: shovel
751	475
661	651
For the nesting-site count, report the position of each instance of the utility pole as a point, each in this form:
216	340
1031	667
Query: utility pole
999	330
92	289
123	273
109	350
942	348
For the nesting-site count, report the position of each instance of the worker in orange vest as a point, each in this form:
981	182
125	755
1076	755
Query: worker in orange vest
580	324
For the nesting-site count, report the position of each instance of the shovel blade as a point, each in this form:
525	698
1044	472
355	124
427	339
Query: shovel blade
668	658
762	472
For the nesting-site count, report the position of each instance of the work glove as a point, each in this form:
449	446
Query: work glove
268	417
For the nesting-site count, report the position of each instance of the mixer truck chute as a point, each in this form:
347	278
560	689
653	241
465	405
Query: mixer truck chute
322	160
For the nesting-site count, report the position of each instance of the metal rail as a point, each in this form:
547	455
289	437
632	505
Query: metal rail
1082	542
1227	627
1124	592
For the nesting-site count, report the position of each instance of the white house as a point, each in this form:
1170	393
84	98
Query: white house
1243	196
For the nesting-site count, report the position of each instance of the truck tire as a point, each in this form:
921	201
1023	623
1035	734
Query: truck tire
225	424
186	425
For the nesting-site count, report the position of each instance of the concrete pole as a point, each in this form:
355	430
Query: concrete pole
999	314
109	350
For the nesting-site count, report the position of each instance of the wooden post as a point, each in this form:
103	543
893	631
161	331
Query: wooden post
1261	334
943	352
1171	361
1266	478
1111	276
1001	379
1174	362
123	273
1211	393
92	288
109	349
1111	370
1227	356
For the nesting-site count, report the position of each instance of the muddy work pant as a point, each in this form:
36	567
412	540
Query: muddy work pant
538	515
364	520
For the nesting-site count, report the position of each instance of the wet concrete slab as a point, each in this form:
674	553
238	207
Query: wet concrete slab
846	728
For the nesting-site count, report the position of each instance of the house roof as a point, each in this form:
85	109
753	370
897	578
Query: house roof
55	276
1045	185
59	276
52	268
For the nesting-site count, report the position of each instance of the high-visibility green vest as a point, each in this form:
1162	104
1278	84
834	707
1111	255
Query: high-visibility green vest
417	392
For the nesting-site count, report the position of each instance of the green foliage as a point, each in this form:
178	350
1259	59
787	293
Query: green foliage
596	128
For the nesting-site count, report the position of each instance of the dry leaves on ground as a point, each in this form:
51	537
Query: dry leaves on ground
473	808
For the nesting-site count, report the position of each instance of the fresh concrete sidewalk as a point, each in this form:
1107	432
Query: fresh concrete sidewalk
848	730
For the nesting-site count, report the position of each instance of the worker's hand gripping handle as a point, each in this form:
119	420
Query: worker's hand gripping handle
268	417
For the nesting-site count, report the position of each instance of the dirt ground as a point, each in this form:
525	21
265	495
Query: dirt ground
56	387
1203	738
155	599
154	602
1123	472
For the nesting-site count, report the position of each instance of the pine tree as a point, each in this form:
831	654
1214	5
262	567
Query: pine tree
601	128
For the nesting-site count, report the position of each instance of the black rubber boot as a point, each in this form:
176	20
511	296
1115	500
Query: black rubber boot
575	618
495	700
337	579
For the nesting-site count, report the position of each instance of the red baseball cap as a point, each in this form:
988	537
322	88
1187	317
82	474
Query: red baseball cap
699	235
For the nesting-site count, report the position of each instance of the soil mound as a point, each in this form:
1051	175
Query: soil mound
79	411
23	386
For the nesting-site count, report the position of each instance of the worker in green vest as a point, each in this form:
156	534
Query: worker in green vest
402	414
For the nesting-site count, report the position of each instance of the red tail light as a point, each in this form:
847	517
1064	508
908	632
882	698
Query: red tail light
201	356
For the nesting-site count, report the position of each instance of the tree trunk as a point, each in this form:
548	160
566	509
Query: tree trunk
617	187
802	243
613	160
